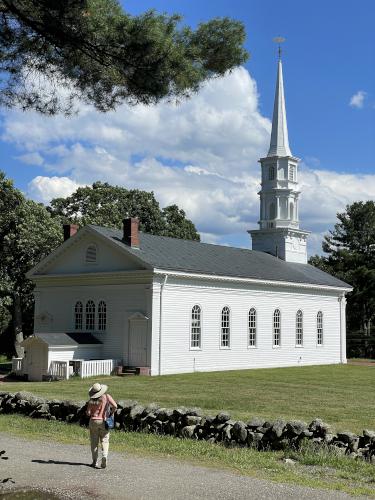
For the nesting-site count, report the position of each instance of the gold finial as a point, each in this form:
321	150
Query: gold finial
279	40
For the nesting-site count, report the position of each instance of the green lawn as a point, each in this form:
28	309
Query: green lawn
342	395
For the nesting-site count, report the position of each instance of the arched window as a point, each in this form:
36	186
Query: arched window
90	315
271	173
291	211
299	328
252	327
90	257
78	316
276	328
195	338
102	316
272	211
292	173
319	328
225	327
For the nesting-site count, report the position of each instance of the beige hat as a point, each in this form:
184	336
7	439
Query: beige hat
97	390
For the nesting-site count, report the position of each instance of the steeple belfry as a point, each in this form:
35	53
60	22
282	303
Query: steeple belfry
279	232
279	145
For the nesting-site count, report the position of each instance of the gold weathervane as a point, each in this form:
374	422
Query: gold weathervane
279	40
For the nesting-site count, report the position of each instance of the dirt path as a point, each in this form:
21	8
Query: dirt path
64	470
361	362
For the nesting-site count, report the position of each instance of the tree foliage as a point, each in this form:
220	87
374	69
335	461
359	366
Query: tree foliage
350	249
27	234
106	205
29	231
105	56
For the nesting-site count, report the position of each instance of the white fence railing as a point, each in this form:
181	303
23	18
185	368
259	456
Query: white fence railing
65	369
17	366
59	369
97	367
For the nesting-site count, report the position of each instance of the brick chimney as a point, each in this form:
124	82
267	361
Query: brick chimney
69	230
131	231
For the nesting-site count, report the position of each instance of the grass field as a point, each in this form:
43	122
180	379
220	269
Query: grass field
314	469
342	395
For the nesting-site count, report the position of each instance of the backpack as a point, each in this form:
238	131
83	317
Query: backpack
109	420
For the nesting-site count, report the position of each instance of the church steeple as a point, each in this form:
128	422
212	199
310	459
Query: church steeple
279	145
279	232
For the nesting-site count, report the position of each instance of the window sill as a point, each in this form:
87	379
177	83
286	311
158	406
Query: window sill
276	347
319	345
298	346
252	347
195	349
224	348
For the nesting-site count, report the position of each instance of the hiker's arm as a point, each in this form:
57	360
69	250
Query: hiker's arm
112	402
88	410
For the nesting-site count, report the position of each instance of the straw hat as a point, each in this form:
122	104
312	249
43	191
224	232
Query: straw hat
97	390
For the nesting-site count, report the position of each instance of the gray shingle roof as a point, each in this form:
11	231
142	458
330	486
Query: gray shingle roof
173	254
67	339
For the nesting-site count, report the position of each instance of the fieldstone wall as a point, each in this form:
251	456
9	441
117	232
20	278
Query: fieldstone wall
191	423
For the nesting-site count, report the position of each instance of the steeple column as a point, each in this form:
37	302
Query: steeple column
278	207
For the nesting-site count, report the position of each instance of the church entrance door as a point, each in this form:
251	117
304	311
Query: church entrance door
138	326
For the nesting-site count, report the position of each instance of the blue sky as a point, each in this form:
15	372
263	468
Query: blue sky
203	154
329	55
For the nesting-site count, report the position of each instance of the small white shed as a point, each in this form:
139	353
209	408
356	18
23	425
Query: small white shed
41	349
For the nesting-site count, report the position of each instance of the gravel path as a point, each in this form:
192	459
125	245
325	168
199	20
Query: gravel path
64	470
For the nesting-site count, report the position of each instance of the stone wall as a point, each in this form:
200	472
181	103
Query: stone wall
191	423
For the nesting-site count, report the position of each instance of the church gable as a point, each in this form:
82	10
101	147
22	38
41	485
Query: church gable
87	252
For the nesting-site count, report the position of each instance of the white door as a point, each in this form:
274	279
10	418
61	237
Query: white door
138	342
34	358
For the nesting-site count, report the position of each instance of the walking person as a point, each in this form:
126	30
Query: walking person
99	407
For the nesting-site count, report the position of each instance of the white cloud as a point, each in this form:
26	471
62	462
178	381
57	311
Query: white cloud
45	188
325	193
31	158
357	100
201	154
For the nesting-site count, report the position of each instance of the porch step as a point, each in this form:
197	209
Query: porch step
134	370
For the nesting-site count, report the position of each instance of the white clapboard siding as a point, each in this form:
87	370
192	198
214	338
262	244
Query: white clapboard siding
59	354
179	297
74	260
121	301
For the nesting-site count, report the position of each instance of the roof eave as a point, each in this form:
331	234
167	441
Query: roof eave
239	279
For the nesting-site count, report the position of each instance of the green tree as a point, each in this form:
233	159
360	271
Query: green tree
104	56
27	234
177	225
350	249
105	205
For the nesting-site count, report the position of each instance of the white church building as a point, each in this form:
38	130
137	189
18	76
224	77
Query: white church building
160	305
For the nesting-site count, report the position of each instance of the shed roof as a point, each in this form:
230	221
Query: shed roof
172	254
66	339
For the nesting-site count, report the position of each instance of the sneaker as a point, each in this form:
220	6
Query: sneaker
104	462
94	464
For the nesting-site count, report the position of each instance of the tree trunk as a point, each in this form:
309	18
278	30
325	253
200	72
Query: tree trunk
17	322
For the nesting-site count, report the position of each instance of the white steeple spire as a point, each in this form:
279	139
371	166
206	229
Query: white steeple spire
279	145
279	233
